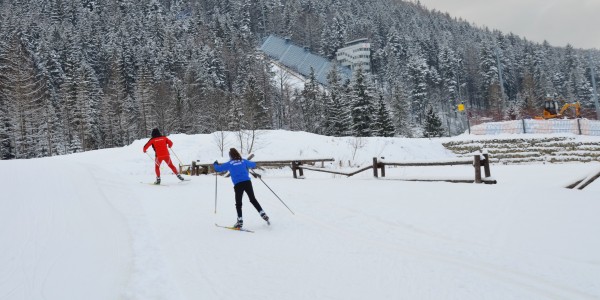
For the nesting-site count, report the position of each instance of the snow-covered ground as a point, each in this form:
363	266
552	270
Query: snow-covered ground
88	226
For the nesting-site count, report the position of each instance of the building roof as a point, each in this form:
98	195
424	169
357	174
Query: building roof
300	59
358	41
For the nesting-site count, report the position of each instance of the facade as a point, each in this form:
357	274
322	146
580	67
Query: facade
356	53
300	59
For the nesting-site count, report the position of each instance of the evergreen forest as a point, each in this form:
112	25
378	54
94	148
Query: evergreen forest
79	75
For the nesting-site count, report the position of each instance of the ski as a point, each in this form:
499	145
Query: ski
152	183
233	228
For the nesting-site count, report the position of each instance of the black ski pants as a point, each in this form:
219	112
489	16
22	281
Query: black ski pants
240	188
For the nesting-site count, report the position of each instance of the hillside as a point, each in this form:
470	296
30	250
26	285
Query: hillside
84	75
88	226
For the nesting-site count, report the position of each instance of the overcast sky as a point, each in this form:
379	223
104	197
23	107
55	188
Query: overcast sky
558	21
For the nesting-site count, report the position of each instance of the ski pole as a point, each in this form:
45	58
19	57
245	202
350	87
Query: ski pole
216	177
154	160
260	177
180	163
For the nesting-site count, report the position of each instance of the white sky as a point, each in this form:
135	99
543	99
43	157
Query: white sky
558	21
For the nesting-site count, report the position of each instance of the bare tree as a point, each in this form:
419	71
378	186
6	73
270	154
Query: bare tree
356	143
282	100
220	139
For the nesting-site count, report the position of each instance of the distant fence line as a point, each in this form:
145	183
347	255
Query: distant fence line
574	126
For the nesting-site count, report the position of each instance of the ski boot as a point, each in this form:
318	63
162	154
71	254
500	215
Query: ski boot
265	217
238	224
157	182
180	177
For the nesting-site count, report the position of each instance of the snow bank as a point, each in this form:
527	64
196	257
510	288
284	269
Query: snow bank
88	226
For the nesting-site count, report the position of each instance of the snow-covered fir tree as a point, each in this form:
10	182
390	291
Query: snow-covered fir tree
361	104
382	126
337	118
433	124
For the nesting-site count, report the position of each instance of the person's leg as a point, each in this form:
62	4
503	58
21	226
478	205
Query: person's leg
250	191
239	193
167	160
170	164
157	162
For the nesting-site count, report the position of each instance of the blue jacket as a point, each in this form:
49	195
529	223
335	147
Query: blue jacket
237	168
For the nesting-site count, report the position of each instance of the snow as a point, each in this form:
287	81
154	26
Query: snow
87	226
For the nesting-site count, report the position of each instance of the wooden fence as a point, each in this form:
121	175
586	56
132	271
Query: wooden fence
197	168
477	161
378	167
299	165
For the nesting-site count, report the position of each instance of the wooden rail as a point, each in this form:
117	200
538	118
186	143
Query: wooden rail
197	168
582	183
476	161
378	167
336	172
299	165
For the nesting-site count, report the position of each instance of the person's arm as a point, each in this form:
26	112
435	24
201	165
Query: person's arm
250	164
169	142
220	168
148	144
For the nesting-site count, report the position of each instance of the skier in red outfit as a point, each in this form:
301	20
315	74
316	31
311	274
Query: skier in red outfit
160	143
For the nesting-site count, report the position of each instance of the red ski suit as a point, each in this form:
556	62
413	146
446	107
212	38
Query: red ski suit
160	144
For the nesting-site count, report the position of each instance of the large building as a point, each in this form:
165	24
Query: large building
356	54
300	59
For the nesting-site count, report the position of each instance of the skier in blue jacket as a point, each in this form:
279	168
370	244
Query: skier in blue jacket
238	168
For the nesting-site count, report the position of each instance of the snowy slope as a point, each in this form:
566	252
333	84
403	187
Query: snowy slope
87	226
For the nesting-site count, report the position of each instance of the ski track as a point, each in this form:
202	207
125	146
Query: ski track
535	285
538	285
336	246
150	278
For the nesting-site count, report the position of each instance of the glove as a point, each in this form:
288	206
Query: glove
255	175
216	163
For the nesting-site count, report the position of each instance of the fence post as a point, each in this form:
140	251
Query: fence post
300	169
524	130
477	165
294	168
382	165
486	165
375	167
579	125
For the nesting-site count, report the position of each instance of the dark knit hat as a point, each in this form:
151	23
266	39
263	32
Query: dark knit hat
155	133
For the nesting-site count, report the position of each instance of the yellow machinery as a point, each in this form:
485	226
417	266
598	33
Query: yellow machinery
551	110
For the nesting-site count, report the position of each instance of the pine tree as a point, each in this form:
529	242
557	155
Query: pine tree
383	122
337	119
257	110
401	107
491	83
311	105
448	65
88	97
25	94
7	146
332	37
433	125
418	72
362	105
